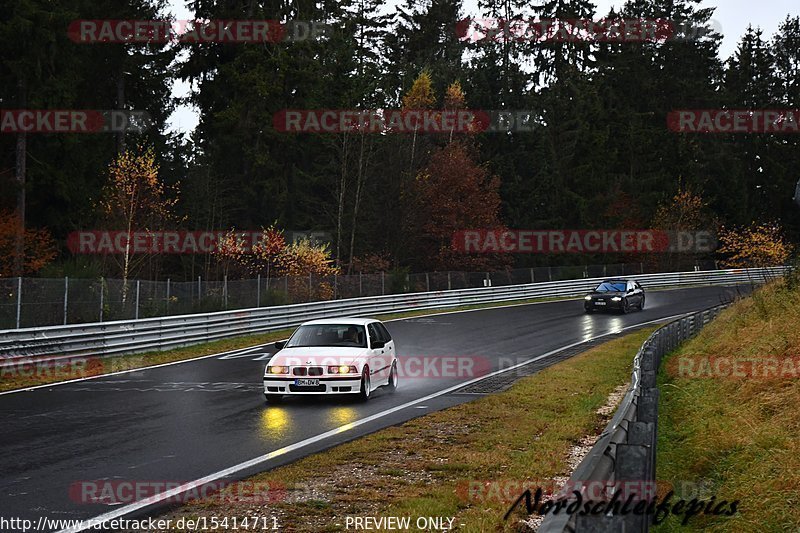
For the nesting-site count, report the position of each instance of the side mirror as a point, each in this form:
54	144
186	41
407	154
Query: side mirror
378	344
280	344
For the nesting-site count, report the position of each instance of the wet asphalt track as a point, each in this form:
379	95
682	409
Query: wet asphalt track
185	421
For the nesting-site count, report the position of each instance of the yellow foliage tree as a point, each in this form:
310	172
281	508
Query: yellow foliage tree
420	96
303	260
135	199
758	245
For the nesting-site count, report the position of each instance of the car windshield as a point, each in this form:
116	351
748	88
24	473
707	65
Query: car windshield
611	286
345	335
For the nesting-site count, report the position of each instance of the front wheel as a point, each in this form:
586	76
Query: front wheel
392	385
641	304
626	306
365	385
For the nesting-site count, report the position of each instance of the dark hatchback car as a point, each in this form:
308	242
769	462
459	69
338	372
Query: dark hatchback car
615	294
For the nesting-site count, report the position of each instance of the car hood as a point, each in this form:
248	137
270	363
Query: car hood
318	356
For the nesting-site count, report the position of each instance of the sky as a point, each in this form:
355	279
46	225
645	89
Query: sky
731	19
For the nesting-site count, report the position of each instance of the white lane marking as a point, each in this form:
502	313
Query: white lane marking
156	498
263	357
246	353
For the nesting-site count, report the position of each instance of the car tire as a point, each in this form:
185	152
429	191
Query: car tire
273	398
364	393
589	311
641	304
626	306
392	385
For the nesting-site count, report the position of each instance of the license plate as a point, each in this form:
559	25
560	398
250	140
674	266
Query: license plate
307	382
599	303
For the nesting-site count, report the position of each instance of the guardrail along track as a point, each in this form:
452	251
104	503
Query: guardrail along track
624	457
163	333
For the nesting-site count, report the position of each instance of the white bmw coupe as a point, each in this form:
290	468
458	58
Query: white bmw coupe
333	356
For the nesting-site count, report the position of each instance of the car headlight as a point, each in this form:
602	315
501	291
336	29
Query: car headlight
588	298
277	370
616	299
342	369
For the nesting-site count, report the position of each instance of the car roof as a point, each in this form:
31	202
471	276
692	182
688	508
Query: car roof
343	320
616	280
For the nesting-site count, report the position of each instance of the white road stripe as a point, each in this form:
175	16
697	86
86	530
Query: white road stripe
122	511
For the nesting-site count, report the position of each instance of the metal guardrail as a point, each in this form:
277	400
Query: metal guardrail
152	334
625	453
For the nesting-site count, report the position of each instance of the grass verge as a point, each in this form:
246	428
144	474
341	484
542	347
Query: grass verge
28	373
729	425
424	467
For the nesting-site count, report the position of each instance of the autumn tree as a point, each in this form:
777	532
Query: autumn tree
757	245
686	211
371	263
420	97
302	261
454	193
135	199
233	251
39	248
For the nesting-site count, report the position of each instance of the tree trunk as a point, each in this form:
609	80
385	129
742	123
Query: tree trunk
341	195
20	174
360	179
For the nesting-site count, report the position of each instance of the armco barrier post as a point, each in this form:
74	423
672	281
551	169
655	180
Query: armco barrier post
19	299
632	464
66	297
136	315
102	287
647	408
590	523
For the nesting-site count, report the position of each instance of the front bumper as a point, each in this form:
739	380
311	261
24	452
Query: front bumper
592	305
327	385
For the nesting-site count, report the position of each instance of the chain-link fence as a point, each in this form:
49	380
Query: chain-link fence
35	302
